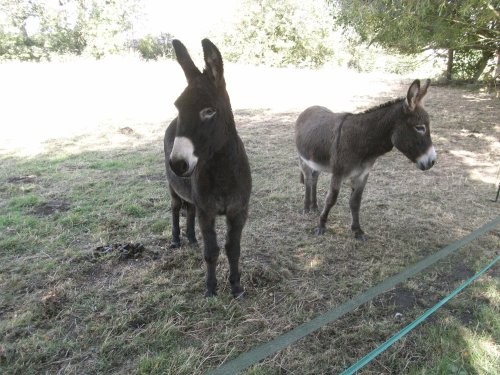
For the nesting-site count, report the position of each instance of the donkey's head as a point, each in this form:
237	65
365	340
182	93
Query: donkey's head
412	133
205	114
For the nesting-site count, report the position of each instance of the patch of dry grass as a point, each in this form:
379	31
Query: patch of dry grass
62	310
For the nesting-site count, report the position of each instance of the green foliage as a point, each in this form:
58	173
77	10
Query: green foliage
368	58
17	46
413	26
465	63
15	37
36	30
302	33
153	47
280	33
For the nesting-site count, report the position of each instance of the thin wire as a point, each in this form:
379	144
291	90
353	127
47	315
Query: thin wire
376	352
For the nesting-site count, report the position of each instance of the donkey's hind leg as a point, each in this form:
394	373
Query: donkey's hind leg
176	204
309	177
314	186
191	218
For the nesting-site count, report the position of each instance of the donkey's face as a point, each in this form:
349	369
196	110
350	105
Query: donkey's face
203	108
412	134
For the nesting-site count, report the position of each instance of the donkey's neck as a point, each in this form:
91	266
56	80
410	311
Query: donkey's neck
224	162
231	142
372	129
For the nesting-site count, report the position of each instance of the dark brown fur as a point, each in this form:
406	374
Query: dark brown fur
347	146
220	183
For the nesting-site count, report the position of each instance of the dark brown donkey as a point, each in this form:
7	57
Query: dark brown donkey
207	167
347	145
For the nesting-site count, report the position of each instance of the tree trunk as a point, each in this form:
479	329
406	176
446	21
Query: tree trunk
497	70
449	65
481	65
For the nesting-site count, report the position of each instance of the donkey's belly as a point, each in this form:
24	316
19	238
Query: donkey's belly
320	167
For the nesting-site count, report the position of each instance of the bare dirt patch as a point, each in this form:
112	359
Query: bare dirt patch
50	207
22	179
459	272
52	302
126	130
121	251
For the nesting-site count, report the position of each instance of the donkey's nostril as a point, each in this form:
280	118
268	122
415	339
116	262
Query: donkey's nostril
179	166
183	167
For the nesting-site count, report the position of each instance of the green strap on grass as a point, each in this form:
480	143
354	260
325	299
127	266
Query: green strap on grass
374	353
260	352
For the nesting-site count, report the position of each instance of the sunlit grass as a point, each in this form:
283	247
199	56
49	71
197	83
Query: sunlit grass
464	336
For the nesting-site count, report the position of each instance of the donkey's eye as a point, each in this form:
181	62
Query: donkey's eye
420	129
207	113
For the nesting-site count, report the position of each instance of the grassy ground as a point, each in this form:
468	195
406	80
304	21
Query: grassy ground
66	309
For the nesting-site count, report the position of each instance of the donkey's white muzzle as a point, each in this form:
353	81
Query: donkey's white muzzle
427	160
182	158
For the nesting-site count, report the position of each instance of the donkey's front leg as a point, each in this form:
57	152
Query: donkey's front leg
331	199
358	185
191	218
235	223
211	250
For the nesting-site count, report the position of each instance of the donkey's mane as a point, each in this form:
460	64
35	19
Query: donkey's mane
383	105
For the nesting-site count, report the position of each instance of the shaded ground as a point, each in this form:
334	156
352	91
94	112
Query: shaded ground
63	310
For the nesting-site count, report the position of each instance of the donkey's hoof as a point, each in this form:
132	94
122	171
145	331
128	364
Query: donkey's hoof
239	293
318	231
305	211
175	244
193	244
360	237
210	293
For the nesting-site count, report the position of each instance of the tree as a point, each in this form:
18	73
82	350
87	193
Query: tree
33	30
106	24
469	29
152	47
279	33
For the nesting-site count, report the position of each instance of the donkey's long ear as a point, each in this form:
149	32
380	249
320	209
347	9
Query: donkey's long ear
411	97
185	61
213	59
423	90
